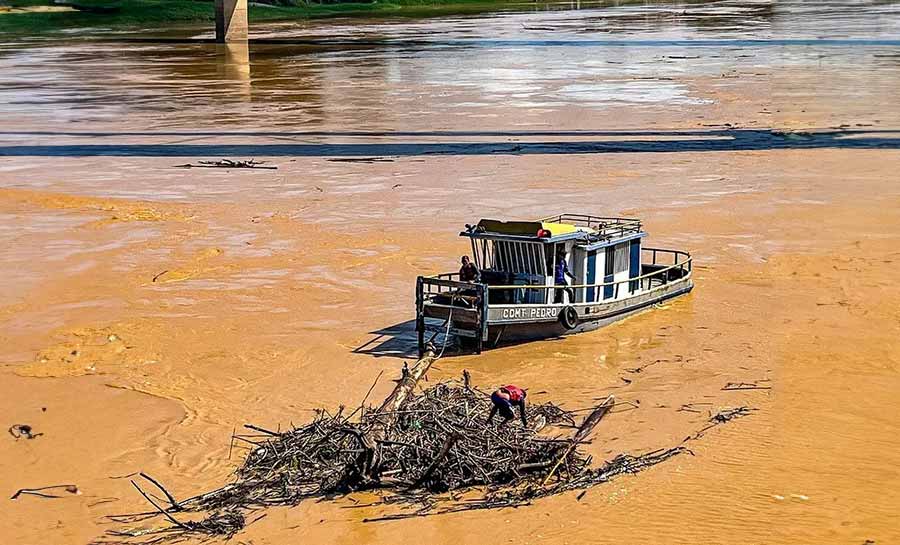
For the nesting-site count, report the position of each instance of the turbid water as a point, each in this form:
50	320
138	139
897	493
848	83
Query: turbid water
149	310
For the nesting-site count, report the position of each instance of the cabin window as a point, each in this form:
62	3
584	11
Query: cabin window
510	256
616	259
620	262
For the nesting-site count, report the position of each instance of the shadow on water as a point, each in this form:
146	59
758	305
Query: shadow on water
647	142
396	341
400	341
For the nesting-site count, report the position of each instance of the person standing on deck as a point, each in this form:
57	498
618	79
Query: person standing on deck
468	272
504	399
560	271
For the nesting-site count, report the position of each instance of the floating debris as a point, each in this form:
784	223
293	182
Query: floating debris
427	453
228	163
729	414
745	386
721	417
23	430
414	448
360	160
40	492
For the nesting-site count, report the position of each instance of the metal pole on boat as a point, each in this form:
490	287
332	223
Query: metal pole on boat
482	329
420	317
552	293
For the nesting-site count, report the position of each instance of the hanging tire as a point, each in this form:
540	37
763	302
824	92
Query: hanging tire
568	317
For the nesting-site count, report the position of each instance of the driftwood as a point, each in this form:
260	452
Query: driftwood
721	417
23	430
411	447
162	511
174	504
586	428
386	413
228	163
360	160
445	449
386	417
744	386
41	491
417	449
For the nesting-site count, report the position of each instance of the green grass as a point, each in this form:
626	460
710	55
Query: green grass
130	13
162	13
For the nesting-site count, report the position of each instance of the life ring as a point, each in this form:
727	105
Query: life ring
568	317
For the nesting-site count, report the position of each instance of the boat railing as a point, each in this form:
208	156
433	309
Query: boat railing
666	257
605	226
446	291
445	282
667	266
455	292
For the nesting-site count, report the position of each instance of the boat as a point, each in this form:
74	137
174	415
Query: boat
513	297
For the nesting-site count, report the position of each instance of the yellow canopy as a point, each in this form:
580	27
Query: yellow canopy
564	228
530	228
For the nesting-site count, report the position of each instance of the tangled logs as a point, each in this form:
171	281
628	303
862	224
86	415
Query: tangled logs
426	453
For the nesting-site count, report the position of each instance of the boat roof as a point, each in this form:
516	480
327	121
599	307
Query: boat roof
557	228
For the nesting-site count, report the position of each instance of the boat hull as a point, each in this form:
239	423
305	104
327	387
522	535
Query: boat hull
489	314
506	333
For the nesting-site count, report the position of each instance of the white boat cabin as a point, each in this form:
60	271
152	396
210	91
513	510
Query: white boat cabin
595	250
516	290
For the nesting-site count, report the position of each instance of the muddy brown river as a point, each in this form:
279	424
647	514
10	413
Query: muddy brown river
146	311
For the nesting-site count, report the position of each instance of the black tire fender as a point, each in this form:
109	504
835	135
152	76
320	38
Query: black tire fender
568	317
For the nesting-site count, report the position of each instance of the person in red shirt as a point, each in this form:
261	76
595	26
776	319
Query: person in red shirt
504	399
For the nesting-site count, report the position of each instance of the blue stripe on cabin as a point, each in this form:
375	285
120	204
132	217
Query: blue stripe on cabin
591	274
634	268
608	268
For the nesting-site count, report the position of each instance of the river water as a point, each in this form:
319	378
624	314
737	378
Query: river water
148	310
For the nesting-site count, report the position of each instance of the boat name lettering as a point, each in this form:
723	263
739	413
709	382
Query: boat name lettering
527	313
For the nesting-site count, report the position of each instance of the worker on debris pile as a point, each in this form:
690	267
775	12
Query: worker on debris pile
504	399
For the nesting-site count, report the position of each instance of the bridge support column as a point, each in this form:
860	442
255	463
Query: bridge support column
231	21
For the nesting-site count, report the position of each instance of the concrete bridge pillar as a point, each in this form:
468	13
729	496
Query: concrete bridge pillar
231	21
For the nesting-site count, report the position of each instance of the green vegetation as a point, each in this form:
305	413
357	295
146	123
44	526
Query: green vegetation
23	17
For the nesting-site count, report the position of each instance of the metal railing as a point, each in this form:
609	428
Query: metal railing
681	262
668	261
441	291
431	287
677	256
605	226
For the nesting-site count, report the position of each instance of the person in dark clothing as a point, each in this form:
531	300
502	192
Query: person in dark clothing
468	272
504	399
560	271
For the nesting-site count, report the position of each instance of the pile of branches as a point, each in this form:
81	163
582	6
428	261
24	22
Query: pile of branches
437	441
440	441
432	452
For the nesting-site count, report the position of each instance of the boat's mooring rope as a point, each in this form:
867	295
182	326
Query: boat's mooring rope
447	333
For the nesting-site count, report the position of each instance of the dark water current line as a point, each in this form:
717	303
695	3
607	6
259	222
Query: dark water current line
762	141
